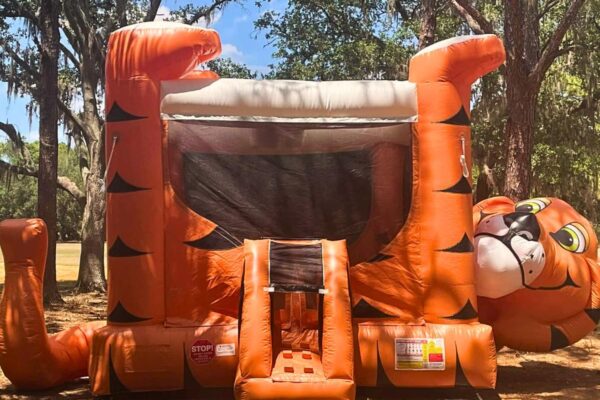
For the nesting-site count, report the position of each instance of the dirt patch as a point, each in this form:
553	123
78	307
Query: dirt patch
571	373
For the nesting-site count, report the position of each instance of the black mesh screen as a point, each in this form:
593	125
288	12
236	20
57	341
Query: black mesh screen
295	267
284	196
294	181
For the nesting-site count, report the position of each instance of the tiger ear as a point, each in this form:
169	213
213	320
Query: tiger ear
494	205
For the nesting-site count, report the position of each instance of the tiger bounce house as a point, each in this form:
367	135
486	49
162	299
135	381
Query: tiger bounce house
297	240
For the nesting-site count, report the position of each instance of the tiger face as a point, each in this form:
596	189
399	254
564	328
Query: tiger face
536	268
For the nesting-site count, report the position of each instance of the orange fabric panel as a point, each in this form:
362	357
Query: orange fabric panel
197	282
313	376
444	218
255	331
337	316
298	366
158	52
29	357
458	60
148	358
200	74
265	389
139	57
295	321
473	345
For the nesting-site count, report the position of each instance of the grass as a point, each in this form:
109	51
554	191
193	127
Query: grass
67	262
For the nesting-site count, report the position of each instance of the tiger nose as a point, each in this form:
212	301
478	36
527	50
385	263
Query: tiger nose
524	224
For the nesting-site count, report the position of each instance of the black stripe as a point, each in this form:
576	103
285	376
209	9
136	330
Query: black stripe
114	383
380	257
120	185
460	377
558	339
216	240
483	215
382	378
460	118
462	186
364	310
117	114
121	315
120	249
594	314
189	382
464	246
467	312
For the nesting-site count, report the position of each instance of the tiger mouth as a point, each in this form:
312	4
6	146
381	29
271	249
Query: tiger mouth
506	241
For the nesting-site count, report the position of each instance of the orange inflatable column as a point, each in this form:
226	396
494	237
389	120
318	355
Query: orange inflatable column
28	356
139	57
444	73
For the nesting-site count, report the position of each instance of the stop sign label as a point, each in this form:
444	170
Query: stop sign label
202	351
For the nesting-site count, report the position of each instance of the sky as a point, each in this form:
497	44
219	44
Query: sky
239	39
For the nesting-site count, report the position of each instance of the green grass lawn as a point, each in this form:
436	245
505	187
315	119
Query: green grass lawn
67	262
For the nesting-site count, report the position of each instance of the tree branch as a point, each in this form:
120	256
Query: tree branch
206	12
69	55
551	48
61	104
151	14
62	182
587	103
550	4
476	21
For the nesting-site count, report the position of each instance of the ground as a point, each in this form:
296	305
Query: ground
570	373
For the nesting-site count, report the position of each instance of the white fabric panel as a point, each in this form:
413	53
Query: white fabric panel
351	101
498	270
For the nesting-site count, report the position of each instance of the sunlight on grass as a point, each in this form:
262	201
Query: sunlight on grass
67	262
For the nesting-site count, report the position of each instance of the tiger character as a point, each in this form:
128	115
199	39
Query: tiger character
537	274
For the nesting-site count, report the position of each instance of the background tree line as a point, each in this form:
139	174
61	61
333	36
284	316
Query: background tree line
535	130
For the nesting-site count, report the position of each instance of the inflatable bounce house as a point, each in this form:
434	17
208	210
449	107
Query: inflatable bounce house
295	240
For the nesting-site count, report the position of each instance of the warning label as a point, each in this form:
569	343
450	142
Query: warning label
420	354
225	349
202	351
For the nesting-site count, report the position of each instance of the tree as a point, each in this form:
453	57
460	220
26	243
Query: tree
428	23
18	192
85	27
527	63
48	158
340	39
227	68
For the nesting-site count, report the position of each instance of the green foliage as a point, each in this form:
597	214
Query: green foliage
340	39
18	194
227	68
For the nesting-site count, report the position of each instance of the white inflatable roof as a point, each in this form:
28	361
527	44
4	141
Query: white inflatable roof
297	101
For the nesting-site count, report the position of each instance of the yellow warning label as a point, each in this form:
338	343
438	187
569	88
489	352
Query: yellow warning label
420	354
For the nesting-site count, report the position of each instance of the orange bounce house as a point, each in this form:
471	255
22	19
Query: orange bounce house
290	239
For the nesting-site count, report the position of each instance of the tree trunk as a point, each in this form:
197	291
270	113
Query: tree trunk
48	159
519	141
91	276
522	42
428	23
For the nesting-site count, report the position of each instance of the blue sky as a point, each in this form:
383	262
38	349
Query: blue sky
239	40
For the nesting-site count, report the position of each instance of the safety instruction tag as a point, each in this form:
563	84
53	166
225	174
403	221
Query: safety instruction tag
420	354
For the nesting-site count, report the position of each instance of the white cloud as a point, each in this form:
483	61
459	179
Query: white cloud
205	23
162	13
231	51
242	18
